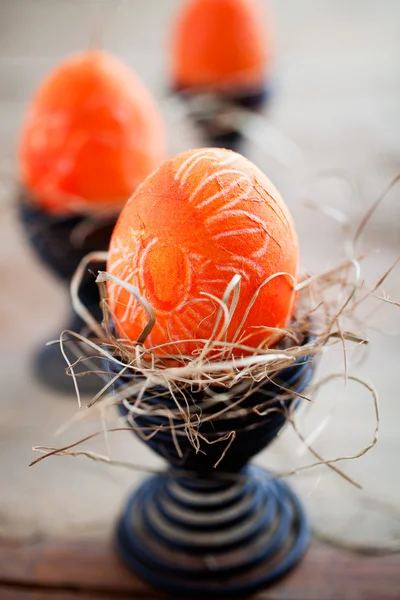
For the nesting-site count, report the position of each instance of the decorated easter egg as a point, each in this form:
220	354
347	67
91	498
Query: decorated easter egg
91	134
219	44
203	217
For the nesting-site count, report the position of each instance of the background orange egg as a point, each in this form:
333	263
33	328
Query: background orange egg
92	133
202	217
219	43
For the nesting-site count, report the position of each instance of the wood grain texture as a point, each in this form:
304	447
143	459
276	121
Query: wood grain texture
13	593
66	569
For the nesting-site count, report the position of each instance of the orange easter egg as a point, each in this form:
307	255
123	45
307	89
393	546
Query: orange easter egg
219	44
202	217
91	134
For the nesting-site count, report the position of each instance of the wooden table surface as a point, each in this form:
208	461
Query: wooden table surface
65	570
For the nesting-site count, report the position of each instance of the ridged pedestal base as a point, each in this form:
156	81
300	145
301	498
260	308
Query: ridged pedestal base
204	537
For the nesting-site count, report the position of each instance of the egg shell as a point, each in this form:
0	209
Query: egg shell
91	134
218	44
202	217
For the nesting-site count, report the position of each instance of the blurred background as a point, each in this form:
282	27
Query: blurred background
335	77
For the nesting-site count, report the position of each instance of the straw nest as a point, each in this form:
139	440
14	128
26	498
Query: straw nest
327	315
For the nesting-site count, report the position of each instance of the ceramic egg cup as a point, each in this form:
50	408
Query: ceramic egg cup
51	238
197	530
211	119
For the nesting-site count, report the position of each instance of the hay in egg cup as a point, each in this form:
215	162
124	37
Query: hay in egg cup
91	134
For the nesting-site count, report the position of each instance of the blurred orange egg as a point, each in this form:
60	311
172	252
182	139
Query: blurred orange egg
202	217
219	44
91	134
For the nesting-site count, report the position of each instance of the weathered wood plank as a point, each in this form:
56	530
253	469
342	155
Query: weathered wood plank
66	569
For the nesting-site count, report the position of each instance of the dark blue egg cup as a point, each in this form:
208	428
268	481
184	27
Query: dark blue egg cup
51	238
231	138
197	530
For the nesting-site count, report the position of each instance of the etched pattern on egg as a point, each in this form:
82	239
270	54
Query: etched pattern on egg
192	225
